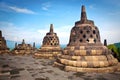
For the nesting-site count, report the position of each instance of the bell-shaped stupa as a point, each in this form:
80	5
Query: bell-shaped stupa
50	47
3	45
23	48
85	52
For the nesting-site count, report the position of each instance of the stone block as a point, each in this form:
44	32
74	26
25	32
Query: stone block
94	58
78	63
90	64
72	48
69	68
65	52
74	63
98	52
82	52
88	58
82	47
96	64
102	64
93	52
84	64
102	58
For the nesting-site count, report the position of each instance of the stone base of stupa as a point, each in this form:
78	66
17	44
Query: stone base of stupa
95	58
22	52
4	51
82	69
48	52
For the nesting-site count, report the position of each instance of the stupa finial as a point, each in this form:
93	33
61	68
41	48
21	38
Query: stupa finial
105	42
34	45
15	44
23	42
0	33
83	14
51	28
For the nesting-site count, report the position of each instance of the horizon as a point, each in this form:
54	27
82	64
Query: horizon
31	20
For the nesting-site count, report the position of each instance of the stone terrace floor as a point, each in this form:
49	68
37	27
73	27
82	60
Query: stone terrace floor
28	68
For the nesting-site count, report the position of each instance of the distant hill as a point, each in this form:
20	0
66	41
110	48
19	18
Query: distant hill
116	49
117	45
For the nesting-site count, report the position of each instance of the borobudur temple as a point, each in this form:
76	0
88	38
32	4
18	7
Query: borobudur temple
50	47
85	52
23	48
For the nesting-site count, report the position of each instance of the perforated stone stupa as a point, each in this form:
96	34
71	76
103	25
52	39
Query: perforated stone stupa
23	48
3	45
85	52
50	47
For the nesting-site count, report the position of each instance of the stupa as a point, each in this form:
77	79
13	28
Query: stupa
23	48
85	52
3	45
50	46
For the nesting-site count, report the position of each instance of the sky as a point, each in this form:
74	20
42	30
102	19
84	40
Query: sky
31	19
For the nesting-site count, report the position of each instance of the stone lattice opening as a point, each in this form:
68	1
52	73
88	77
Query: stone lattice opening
84	36
81	40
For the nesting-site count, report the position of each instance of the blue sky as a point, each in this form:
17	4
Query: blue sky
31	19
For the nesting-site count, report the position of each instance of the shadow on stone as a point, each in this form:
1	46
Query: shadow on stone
79	74
14	71
46	78
4	66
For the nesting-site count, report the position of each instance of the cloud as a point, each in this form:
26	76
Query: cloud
46	6
92	6
114	13
21	10
16	33
110	31
5	7
112	36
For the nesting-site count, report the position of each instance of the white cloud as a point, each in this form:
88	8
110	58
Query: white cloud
17	33
112	36
114	13
5	7
46	6
64	33
92	6
21	10
110	31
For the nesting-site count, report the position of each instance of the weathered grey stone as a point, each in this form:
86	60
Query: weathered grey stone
50	47
85	52
23	48
3	45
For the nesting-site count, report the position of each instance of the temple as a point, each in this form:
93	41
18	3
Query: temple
85	52
23	48
3	45
50	46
